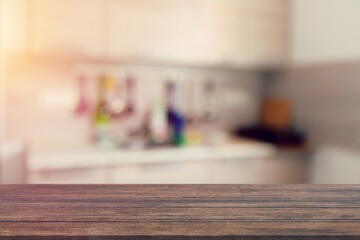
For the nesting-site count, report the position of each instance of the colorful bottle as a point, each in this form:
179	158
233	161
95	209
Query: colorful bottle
176	120
103	114
158	125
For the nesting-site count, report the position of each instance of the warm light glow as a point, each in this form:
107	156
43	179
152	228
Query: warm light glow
12	24
122	86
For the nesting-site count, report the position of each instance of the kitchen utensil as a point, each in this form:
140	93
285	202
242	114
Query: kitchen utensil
83	105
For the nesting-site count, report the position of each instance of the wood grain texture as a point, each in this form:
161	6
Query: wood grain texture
200	212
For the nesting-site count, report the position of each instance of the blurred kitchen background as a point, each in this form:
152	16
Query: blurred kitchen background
180	91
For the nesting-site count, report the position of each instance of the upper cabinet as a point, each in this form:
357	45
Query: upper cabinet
66	27
243	33
161	30
252	32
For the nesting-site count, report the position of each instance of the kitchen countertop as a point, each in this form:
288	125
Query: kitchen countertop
135	212
51	158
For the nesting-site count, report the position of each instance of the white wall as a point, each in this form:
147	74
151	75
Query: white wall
12	15
324	85
325	31
2	72
326	101
12	41
335	165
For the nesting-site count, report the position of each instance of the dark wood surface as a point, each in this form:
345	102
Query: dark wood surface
134	212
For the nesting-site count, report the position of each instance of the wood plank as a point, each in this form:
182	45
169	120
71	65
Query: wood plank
188	195
180	212
223	228
119	214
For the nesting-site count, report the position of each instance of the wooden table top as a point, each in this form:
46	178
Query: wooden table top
198	212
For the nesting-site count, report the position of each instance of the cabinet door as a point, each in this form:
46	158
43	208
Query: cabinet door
230	31
287	170
234	32
67	27
251	33
240	171
161	30
165	173
76	176
270	32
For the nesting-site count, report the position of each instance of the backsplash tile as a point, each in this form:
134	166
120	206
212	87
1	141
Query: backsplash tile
42	97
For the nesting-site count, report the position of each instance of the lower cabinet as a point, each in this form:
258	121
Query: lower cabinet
76	176
231	171
166	173
240	171
286	171
290	167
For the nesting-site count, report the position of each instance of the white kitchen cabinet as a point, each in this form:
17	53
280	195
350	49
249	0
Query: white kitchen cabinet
240	171
166	173
274	170
234	32
66	28
286	171
12	163
284	168
238	33
196	164
253	32
335	165
155	173
74	176
288	167
160	30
